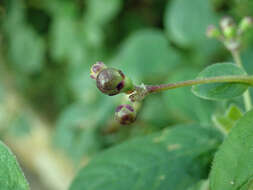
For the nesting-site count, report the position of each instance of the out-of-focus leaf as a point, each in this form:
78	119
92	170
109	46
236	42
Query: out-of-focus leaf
155	112
98	14
101	12
78	126
151	162
26	48
181	101
75	132
20	125
67	41
247	59
11	176
146	55
15	16
220	91
83	86
233	164
186	22
242	8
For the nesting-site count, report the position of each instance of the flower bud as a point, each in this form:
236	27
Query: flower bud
125	114
245	24
213	32
96	69
111	81
228	27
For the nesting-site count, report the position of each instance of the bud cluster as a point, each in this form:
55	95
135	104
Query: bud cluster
111	81
229	32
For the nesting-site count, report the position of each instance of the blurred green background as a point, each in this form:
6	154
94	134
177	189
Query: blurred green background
51	114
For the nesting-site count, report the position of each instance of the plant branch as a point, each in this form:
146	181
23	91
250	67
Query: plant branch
233	79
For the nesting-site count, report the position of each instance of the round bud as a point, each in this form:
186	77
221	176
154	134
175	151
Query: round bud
245	24
96	69
228	27
213	32
111	81
125	114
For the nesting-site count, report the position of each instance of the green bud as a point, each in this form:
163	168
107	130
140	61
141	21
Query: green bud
111	81
245	24
125	114
228	27
213	32
96	69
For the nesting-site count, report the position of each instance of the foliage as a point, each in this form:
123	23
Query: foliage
47	98
232	166
11	176
220	91
152	161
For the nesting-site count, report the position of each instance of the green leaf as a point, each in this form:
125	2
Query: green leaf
146	54
173	159
11	176
233	164
226	121
220	91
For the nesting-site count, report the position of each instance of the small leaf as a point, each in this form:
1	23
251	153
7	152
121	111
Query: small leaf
146	54
220	91
234	113
151	162
233	163
11	176
190	32
226	121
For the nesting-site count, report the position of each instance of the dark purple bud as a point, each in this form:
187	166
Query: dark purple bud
96	69
125	114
